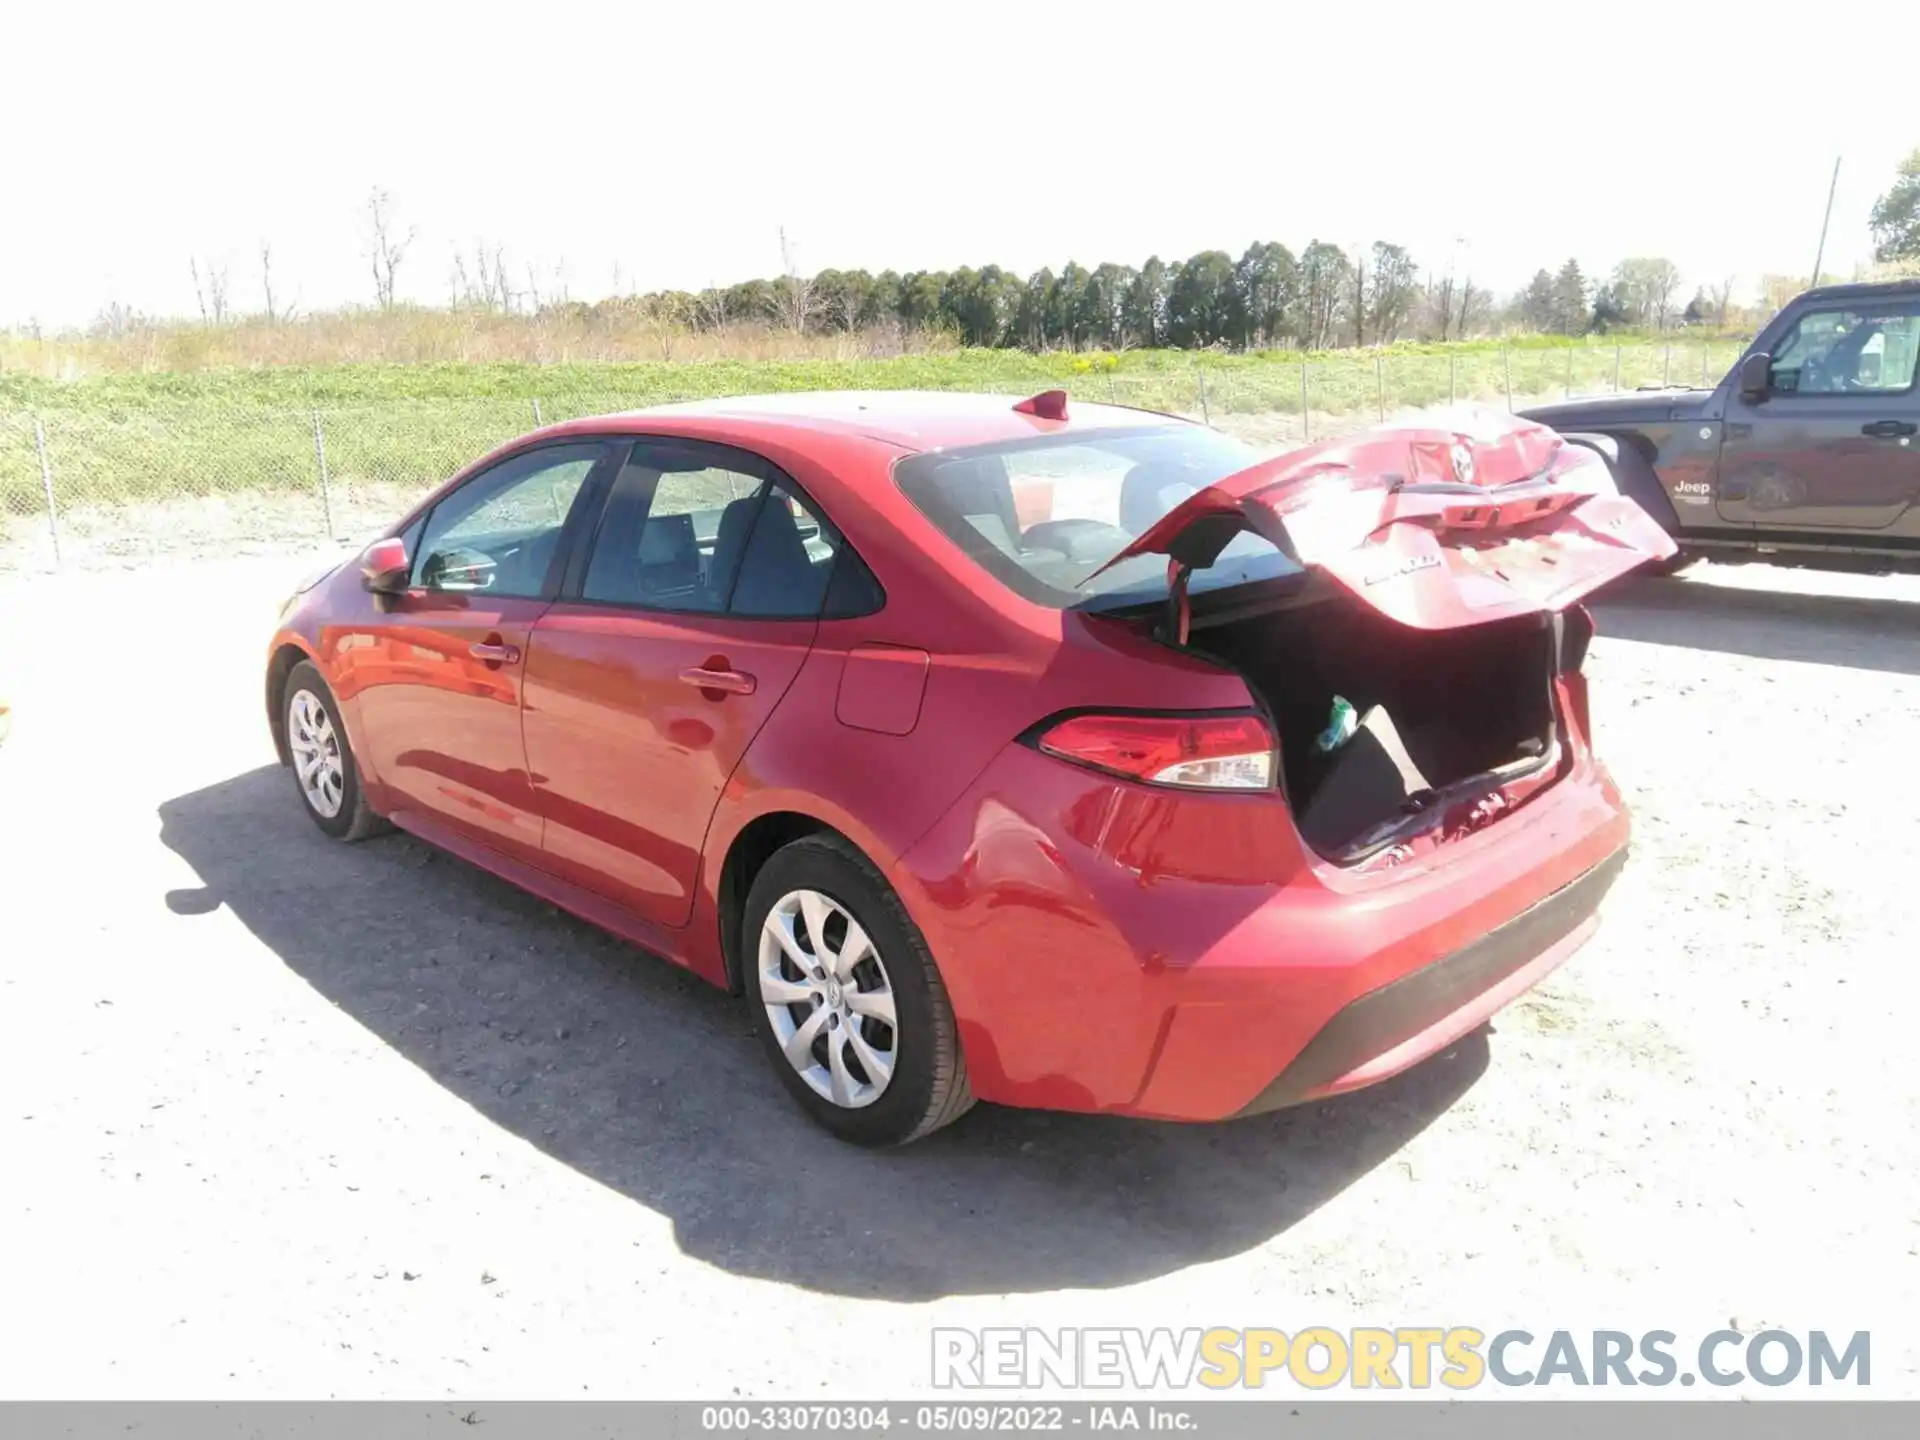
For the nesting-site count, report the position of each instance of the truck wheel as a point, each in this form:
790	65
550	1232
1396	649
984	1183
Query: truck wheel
1672	565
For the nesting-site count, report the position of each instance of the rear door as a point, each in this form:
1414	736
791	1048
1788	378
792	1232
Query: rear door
679	630
1833	444
1432	528
437	678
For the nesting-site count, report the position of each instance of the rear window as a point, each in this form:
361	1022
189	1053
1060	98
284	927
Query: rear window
1042	515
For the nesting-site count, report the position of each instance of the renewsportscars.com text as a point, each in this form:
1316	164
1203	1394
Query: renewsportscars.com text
1405	1357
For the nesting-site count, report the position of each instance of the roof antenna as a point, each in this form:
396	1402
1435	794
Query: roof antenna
1047	405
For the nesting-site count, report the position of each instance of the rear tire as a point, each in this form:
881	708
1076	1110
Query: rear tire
855	1019
322	763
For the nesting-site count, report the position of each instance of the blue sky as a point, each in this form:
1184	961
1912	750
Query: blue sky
674	141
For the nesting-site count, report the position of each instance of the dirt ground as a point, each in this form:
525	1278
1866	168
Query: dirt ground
281	1117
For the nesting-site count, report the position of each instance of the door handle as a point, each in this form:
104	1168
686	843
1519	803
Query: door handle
493	652
732	682
1889	429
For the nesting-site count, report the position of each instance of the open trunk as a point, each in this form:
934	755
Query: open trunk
1442	564
1445	718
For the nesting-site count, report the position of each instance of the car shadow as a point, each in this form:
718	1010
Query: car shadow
1861	632
651	1082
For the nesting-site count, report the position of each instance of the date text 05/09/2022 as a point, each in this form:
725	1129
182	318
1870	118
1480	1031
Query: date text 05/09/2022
943	1418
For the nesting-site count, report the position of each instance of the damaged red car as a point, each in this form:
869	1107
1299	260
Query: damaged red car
1052	755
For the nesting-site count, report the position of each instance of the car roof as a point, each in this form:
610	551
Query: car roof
1874	290
908	420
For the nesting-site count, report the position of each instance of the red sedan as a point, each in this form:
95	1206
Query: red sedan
1072	757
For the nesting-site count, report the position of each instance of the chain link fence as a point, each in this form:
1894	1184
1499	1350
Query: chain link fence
117	484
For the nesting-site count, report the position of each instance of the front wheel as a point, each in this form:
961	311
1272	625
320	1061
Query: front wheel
322	761
849	1003
1672	565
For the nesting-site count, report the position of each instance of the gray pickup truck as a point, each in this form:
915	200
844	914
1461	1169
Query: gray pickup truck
1808	453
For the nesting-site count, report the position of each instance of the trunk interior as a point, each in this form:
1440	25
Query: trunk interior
1441	713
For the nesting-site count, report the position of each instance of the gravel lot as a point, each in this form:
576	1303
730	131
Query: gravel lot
280	1117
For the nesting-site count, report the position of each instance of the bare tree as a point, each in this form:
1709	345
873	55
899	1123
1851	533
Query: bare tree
851	308
666	318
710	309
494	281
1361	295
1721	297
1647	283
117	320
1455	306
1442	297
217	292
556	292
794	301
210	290
1392	292
275	314
1777	290
488	285
1664	282
386	246
1474	306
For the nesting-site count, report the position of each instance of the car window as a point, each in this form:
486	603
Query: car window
1046	515
1848	352
788	559
498	532
706	529
673	532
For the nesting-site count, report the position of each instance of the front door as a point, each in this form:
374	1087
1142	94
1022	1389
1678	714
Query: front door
1835	443
437	678
671	645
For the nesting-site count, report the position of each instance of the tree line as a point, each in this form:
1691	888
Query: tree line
1267	298
1322	298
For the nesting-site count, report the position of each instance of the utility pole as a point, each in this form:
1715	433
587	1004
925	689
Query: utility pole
1821	253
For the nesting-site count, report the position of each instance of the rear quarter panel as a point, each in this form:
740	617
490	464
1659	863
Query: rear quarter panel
997	665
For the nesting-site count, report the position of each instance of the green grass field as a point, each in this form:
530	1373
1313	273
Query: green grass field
150	438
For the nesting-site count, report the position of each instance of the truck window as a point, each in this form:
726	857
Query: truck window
1848	352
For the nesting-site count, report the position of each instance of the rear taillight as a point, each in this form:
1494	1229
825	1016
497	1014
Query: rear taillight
1195	752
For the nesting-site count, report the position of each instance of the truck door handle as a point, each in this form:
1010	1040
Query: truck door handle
494	653
731	682
1889	429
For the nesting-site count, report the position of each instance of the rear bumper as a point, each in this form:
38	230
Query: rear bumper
1112	948
1407	1020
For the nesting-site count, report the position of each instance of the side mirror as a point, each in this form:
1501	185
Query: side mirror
385	567
1756	376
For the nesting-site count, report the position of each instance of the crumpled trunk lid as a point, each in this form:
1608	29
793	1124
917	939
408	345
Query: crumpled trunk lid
1484	517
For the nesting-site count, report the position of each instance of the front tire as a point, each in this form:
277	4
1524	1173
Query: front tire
848	1001
1672	565
322	761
